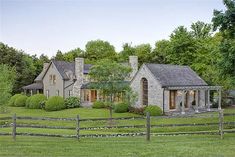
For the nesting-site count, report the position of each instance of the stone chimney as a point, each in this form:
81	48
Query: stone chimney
45	65
133	62
79	70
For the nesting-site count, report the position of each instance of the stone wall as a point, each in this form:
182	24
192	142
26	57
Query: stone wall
155	92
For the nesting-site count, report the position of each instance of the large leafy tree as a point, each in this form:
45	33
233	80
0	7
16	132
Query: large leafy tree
7	80
23	63
99	49
109	78
225	22
201	30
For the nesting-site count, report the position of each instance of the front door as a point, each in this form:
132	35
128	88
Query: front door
173	94
93	95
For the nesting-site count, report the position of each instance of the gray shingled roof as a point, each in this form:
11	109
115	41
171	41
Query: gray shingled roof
37	85
64	66
175	75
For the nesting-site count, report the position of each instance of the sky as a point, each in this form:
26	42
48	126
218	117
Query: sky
45	26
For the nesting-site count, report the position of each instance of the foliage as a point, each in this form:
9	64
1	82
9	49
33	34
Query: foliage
11	102
201	30
99	49
224	21
27	102
27	67
36	100
7	80
153	110
55	103
98	104
109	77
72	102
121	108
20	101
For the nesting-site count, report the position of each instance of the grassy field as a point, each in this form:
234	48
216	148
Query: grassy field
187	145
102	113
177	146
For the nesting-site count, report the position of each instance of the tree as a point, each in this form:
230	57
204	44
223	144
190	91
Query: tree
201	30
7	80
109	78
23	63
127	51
143	51
225	22
59	56
99	49
71	55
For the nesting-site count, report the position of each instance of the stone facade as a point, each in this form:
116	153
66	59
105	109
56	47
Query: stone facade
155	92
79	67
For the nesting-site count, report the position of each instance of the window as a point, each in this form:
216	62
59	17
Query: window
47	93
86	95
144	91
52	79
70	93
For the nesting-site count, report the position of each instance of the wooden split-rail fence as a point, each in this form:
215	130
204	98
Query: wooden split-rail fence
147	126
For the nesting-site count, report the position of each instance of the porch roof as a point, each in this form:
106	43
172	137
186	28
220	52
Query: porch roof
33	86
192	87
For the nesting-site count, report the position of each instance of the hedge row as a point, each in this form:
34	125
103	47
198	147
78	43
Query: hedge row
39	101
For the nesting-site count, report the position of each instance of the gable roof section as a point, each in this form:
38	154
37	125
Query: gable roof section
175	75
64	66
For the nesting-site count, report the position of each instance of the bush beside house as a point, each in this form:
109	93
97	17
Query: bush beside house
35	101
153	110
20	101
121	108
11	102
98	104
72	102
55	103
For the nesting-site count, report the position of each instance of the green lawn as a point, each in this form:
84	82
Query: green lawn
177	146
101	113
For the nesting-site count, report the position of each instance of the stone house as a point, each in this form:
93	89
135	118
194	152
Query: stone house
171	87
65	79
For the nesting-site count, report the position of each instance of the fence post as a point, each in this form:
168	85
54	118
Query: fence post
148	126
78	127
14	127
221	119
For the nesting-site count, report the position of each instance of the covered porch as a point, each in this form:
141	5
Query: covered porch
184	99
33	88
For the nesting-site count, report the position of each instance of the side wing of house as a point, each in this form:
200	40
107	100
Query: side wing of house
53	82
148	89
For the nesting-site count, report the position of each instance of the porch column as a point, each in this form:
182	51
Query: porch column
219	101
196	101
182	107
37	91
31	92
208	100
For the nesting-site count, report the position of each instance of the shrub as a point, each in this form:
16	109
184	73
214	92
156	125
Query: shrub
11	102
72	102
99	104
137	110
153	110
36	100
54	103
20	101
27	103
121	108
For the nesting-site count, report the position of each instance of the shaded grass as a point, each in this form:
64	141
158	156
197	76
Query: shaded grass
178	146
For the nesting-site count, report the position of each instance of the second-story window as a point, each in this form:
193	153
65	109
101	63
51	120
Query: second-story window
52	79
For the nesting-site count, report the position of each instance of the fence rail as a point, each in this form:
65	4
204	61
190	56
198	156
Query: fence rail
147	126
